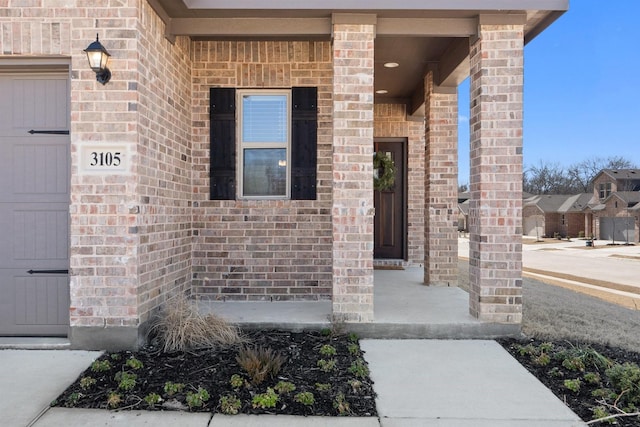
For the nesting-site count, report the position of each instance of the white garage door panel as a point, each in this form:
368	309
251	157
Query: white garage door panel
34	205
620	229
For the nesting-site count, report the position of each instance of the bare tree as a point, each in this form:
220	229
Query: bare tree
551	178
582	173
546	178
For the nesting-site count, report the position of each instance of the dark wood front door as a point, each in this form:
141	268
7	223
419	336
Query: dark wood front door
389	222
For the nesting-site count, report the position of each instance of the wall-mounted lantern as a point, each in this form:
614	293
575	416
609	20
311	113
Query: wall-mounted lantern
98	58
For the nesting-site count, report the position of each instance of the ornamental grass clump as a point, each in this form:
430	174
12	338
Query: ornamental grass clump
260	362
180	326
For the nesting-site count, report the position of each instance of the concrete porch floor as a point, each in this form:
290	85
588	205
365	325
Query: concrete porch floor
403	308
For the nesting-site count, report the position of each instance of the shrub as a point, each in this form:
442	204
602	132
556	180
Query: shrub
573	385
260	363
152	399
284	387
180	327
326	365
625	379
172	388
328	350
229	404
306	398
197	399
265	400
359	369
100	366
126	380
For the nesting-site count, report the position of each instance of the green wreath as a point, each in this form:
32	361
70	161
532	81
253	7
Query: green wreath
384	171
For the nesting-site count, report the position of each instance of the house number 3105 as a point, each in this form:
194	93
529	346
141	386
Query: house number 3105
105	158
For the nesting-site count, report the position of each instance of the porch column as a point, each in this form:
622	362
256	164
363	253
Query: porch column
495	217
352	213
441	184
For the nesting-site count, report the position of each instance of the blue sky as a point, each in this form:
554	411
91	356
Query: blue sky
582	88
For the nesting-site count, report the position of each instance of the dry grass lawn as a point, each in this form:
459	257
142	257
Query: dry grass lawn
554	313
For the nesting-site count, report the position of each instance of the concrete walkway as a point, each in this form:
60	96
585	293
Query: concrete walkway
443	383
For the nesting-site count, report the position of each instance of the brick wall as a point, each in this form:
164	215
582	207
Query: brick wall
352	212
130	232
261	250
164	172
495	215
441	184
390	122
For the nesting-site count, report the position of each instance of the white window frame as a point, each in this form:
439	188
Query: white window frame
241	145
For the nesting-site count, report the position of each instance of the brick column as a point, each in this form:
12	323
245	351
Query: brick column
441	184
495	214
352	212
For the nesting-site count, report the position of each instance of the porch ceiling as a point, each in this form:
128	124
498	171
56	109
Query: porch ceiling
416	34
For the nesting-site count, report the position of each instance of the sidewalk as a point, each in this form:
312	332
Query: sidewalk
431	383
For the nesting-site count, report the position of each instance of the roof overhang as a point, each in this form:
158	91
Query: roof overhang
420	35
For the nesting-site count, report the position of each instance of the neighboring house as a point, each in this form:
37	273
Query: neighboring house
555	215
230	155
614	210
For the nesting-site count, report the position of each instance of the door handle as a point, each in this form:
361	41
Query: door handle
48	271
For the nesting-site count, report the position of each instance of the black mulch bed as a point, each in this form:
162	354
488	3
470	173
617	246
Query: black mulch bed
338	392
560	368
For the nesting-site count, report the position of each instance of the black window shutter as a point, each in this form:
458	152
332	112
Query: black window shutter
222	113
304	145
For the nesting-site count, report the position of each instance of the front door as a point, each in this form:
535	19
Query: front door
389	222
34	204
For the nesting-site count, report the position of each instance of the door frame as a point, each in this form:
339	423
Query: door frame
404	142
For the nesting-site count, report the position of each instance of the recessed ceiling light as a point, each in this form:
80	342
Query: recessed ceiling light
391	64
382	91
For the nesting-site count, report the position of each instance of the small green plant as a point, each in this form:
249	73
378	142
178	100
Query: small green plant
355	385
126	380
172	388
625	379
284	387
556	372
134	363
328	350
325	332
260	363
197	399
592	378
543	359
525	350
573	385
114	400
100	366
353	337
116	356
574	364
152	399
546	347
236	381
341	405
603	392
74	398
265	400
323	386
354	349
600	412
327	365
87	382
359	368
229	404
306	398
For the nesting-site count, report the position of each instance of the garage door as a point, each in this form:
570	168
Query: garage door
533	226
620	229
34	204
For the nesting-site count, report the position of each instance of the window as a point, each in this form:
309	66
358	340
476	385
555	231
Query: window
605	190
263	124
264	140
